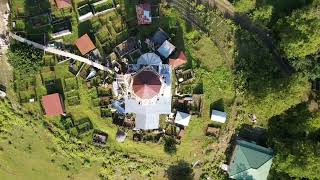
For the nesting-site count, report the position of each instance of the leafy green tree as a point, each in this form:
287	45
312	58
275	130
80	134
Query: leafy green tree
295	138
299	32
300	40
182	170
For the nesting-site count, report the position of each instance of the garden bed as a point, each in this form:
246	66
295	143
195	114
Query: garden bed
102	6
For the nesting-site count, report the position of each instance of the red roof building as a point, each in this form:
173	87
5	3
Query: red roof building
84	44
146	84
52	104
144	13
63	4
182	59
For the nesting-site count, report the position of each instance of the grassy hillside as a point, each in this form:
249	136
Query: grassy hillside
28	150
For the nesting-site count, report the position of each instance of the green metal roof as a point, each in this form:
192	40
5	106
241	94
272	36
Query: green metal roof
250	161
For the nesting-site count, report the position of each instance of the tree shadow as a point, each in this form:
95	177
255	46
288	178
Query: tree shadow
170	145
291	125
180	171
217	105
295	142
54	86
253	134
85	28
37	20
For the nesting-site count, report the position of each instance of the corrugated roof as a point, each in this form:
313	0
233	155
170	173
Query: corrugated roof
146	84
249	161
182	118
166	49
63	3
144	13
84	44
52	104
147	121
218	116
159	37
182	59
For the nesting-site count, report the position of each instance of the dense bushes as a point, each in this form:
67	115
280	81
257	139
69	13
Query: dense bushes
25	59
295	137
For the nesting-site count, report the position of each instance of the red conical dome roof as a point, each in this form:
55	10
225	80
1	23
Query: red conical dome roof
146	84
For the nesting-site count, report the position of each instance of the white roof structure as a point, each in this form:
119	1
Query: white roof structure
118	106
149	59
218	116
166	49
182	118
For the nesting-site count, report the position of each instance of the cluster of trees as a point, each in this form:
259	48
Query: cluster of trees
25	59
295	136
299	38
294	25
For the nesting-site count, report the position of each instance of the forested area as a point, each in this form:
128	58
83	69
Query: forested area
294	25
293	133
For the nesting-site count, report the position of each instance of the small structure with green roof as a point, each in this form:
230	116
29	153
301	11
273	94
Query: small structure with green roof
250	161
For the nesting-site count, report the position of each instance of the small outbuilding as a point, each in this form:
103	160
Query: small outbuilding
250	161
212	131
121	136
126	47
166	49
182	119
61	4
218	116
53	105
159	37
84	44
179	61
100	139
144	13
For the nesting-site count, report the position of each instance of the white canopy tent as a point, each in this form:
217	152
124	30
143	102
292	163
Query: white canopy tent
218	116
182	118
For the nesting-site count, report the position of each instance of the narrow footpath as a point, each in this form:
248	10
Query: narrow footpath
61	53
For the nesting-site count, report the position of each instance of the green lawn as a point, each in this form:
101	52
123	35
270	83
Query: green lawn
28	150
207	54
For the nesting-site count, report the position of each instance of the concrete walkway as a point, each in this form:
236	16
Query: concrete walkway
61	53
